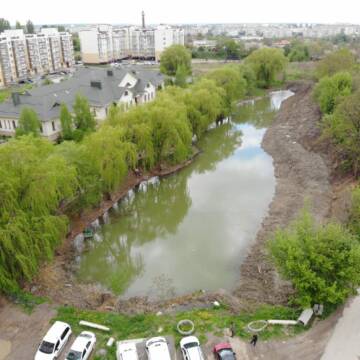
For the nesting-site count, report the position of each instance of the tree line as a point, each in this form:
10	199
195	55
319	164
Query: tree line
43	184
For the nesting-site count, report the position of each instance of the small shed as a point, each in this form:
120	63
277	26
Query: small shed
305	317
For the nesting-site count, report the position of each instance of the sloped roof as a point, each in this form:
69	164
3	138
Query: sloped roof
45	99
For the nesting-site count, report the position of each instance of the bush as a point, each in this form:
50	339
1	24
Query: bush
343	128
341	60
354	218
322	262
330	90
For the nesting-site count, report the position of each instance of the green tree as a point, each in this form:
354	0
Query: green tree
340	60
267	63
204	103
343	127
181	76
299	52
330	90
173	57
67	124
111	155
18	25
230	79
4	25
30	29
29	123
61	28
322	262
83	118
354	218
230	49
76	42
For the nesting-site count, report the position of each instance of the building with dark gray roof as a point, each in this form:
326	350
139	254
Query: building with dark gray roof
101	86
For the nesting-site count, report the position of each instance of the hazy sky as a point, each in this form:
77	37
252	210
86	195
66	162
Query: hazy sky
181	11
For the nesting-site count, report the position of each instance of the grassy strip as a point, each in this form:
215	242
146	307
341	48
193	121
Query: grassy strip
213	321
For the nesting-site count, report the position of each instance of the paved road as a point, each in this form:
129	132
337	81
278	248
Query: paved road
345	340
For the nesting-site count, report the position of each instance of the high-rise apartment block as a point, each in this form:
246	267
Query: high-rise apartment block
105	43
23	55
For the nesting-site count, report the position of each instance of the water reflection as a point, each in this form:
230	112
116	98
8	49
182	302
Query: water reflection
191	230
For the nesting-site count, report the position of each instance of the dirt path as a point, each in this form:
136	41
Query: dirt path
301	174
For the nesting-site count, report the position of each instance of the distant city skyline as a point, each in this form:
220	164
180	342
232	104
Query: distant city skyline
184	12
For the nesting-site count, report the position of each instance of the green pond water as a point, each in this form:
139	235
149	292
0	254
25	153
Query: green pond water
191	230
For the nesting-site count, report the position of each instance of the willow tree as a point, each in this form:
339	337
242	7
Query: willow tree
84	120
267	64
88	190
29	123
111	155
204	103
172	136
234	85
67	124
174	57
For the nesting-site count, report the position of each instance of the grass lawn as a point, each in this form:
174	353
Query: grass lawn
213	320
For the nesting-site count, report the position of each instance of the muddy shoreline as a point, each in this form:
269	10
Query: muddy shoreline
302	173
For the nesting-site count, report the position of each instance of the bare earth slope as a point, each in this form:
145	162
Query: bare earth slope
301	175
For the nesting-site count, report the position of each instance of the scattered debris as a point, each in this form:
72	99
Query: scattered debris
93	325
305	317
110	342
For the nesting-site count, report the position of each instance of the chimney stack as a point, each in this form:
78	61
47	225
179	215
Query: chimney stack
143	19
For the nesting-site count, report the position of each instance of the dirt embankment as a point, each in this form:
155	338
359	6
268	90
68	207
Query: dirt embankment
304	173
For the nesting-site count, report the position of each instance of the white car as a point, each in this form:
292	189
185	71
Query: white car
54	341
190	348
127	351
157	349
82	346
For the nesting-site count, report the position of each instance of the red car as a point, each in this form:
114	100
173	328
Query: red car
224	351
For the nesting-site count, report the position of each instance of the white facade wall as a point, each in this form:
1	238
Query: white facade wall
24	55
104	43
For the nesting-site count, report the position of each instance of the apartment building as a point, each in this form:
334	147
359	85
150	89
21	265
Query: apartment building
23	55
105	43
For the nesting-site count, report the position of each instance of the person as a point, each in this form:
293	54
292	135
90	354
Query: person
254	340
232	330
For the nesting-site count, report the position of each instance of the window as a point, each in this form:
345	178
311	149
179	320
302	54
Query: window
126	93
14	124
41	129
53	125
64	333
57	346
88	344
84	353
0	124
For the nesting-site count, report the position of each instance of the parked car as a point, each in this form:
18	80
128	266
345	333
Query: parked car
127	351
190	348
224	351
54	341
157	349
82	346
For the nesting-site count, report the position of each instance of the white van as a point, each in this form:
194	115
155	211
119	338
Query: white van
157	349
54	341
